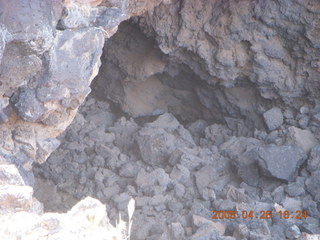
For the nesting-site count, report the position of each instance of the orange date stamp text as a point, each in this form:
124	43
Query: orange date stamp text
299	214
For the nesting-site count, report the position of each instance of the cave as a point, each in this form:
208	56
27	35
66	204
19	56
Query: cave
205	113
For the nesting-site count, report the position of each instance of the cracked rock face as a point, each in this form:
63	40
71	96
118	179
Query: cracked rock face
196	106
48	60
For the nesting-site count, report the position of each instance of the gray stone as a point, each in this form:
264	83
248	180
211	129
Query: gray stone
155	182
177	230
208	225
273	118
316	118
251	191
155	146
129	169
165	121
310	206
302	138
236	195
180	174
295	189
304	110
288	114
292	204
29	108
311	225
278	194
293	232
175	207
272	137
281	162
314	159
313	185
304	122
197	129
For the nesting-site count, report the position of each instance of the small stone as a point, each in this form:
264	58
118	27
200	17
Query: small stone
292	204
121	201
266	196
303	138
304	122
158	176
310	206
261	135
291	122
227	205
293	232
295	190
313	185
175	207
129	169
165	121
311	225
251	191
304	110
241	231
179	190
314	159
99	177
272	136
280	162
278	194
155	145
288	114
197	127
236	194
316	118
199	221
176	230
273	118
180	174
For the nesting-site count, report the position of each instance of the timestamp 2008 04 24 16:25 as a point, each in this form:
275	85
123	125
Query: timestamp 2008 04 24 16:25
261	215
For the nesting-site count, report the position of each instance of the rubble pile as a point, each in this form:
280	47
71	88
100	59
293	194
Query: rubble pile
207	113
180	175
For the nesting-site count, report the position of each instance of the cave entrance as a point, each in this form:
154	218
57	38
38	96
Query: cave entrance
137	80
136	84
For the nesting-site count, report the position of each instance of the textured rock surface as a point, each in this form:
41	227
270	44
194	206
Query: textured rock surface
48	60
198	106
281	162
174	186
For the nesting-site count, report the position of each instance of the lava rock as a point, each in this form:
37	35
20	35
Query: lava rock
314	159
313	185
304	110
297	188
304	122
288	114
176	230
316	118
281	162
155	145
302	138
273	118
293	232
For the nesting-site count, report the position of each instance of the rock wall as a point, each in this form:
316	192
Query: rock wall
201	106
226	62
254	49
50	52
198	105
